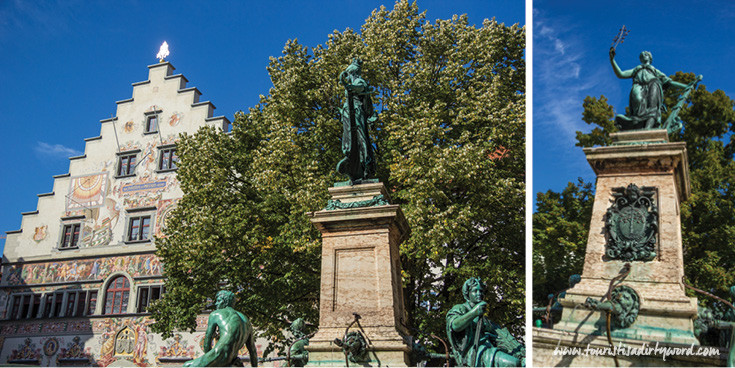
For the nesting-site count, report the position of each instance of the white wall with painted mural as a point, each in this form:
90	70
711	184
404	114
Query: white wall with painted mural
80	272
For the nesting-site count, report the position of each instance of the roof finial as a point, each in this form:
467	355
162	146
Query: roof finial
163	52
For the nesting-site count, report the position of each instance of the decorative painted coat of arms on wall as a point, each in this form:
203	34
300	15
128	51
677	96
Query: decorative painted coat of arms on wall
27	353
632	224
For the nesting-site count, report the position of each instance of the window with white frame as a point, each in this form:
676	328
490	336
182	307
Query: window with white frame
24	306
70	235
139	224
80	303
116	296
69	303
167	158
147	294
151	123
139	228
126	163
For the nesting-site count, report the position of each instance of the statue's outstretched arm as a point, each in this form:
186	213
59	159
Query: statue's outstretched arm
622	74
676	85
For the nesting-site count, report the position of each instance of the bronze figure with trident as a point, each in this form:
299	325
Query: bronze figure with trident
647	94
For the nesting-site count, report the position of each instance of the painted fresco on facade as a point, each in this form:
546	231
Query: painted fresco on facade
175	118
175	347
8	329
53	327
75	353
40	233
87	191
129	127
50	345
13	274
28	328
83	269
101	207
123	339
26	353
97	234
163	213
79	326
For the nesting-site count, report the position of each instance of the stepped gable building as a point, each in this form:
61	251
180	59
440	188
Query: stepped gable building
78	275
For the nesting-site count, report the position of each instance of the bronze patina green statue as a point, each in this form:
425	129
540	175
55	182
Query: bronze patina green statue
475	341
728	325
235	331
647	94
554	305
624	305
297	351
357	117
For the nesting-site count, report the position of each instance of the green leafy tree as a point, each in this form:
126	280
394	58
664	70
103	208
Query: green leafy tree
708	217
560	231
450	148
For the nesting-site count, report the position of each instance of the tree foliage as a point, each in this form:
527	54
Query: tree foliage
708	217
560	231
450	148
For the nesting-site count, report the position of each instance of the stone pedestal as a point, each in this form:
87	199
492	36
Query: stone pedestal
665	311
646	159
554	348
361	273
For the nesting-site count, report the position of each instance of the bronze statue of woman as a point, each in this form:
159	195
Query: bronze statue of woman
357	117
646	96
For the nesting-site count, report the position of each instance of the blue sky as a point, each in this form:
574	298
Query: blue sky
570	51
64	64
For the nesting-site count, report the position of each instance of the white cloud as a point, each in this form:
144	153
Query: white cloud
563	77
55	150
559	46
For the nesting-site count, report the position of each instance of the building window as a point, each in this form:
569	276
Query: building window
151	124
48	306
36	306
126	165
80	303
24	306
58	304
168	159
139	228
71	303
92	304
146	295
116	299
70	236
14	310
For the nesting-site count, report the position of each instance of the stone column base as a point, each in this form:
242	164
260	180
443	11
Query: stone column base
553	348
667	318
387	348
331	355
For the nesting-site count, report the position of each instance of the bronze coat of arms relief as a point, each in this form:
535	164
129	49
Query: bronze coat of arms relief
632	224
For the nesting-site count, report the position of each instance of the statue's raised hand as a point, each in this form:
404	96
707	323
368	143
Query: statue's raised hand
612	53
